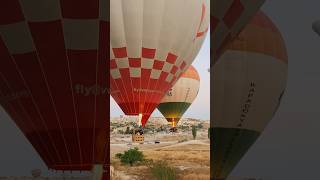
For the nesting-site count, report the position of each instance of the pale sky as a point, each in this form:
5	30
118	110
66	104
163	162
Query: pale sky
200	108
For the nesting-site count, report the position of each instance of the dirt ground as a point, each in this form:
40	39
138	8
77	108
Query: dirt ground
191	158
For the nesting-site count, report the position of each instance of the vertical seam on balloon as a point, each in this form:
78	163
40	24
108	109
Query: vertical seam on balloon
28	117
95	94
128	59
125	90
73	100
37	107
50	94
116	83
149	107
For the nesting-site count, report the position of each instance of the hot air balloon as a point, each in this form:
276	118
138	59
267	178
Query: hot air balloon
249	80
316	26
179	98
152	43
228	17
53	73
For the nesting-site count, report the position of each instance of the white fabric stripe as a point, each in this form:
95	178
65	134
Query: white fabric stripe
185	90
41	10
117	34
169	77
167	67
17	38
104	10
81	34
111	53
122	63
147	63
135	72
152	22
133	24
233	74
115	73
155	74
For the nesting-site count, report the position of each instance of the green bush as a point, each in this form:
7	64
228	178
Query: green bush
162	171
127	130
194	132
119	155
131	156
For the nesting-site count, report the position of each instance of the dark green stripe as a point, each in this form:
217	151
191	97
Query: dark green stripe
173	109
228	145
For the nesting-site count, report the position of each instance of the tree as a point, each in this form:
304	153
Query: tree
194	132
131	156
127	130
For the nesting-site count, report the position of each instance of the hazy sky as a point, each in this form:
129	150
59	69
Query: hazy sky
287	150
200	108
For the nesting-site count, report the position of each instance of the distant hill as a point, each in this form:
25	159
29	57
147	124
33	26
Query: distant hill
120	124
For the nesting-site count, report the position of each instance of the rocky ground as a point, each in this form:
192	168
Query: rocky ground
190	158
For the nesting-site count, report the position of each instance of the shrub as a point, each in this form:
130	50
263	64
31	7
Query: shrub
119	155
127	130
131	156
194	132
162	171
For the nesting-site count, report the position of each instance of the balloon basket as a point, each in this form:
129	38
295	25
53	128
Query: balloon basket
138	136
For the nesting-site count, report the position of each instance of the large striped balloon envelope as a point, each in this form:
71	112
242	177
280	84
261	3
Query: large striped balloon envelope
228	17
53	77
179	98
248	83
152	43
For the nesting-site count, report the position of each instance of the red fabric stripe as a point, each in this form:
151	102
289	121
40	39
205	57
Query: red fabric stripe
113	64
183	65
135	62
54	59
83	72
120	52
123	91
171	58
158	64
80	9
9	71
103	99
233	13
174	69
203	10
30	68
14	109
10	12
148	53
214	23
142	94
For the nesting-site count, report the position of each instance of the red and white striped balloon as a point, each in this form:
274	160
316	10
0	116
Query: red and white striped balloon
152	43
53	77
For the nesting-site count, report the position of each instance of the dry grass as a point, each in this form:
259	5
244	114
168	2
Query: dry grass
190	158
